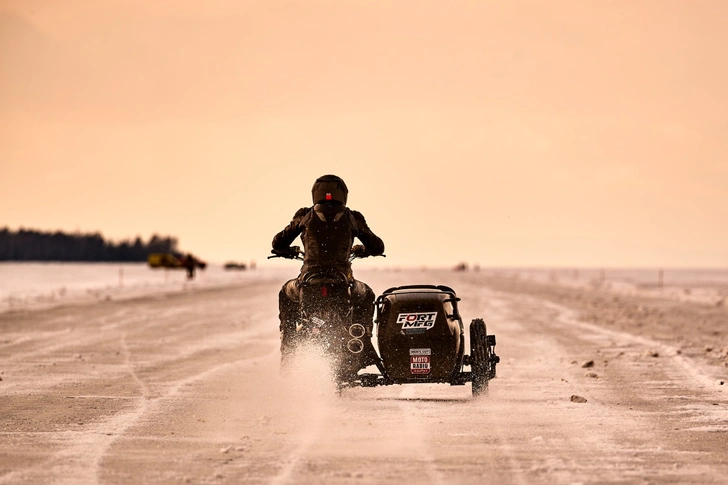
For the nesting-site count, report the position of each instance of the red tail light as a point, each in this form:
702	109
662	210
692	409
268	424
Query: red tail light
324	291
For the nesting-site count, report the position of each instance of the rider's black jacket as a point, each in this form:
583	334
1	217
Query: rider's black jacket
327	232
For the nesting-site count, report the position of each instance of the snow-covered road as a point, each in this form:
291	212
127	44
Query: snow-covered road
185	388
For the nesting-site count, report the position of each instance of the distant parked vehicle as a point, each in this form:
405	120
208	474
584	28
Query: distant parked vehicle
233	266
164	260
171	261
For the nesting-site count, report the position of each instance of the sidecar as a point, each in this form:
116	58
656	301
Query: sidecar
421	339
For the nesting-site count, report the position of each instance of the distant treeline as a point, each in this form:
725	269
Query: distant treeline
31	245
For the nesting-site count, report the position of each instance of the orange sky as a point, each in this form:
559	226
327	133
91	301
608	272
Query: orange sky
555	133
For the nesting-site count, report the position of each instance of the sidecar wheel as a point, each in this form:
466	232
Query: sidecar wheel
479	356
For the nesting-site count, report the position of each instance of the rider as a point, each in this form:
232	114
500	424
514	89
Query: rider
327	231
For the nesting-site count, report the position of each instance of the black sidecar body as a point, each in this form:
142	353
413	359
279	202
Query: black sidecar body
420	335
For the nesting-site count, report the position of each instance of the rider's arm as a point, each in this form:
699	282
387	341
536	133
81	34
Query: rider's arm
283	239
371	241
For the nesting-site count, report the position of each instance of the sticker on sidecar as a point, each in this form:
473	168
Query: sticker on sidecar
420	364
420	351
416	322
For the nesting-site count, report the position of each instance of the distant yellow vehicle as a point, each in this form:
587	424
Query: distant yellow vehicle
167	260
164	260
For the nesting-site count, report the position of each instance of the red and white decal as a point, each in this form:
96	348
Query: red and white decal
416	322
420	364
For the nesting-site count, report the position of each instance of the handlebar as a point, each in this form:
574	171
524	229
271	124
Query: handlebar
294	252
353	256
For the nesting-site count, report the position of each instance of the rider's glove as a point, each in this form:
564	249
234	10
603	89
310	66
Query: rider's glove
359	251
290	252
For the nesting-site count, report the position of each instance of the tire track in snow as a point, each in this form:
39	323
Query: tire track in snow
407	406
81	461
308	437
568	317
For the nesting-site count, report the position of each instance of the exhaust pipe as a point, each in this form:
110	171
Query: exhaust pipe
357	330
355	346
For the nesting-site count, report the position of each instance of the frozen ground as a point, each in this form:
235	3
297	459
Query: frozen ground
36	285
693	285
183	387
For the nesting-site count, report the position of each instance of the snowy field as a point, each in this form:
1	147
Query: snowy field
40	285
690	285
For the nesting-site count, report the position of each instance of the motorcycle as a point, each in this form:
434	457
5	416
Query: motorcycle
419	333
326	320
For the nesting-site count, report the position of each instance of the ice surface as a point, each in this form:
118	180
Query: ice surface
695	285
33	285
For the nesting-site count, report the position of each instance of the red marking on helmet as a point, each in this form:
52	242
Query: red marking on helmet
328	196
324	291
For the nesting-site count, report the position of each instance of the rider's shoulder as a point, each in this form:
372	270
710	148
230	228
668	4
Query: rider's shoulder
357	215
302	212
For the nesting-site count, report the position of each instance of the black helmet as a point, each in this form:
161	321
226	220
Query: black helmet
329	188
